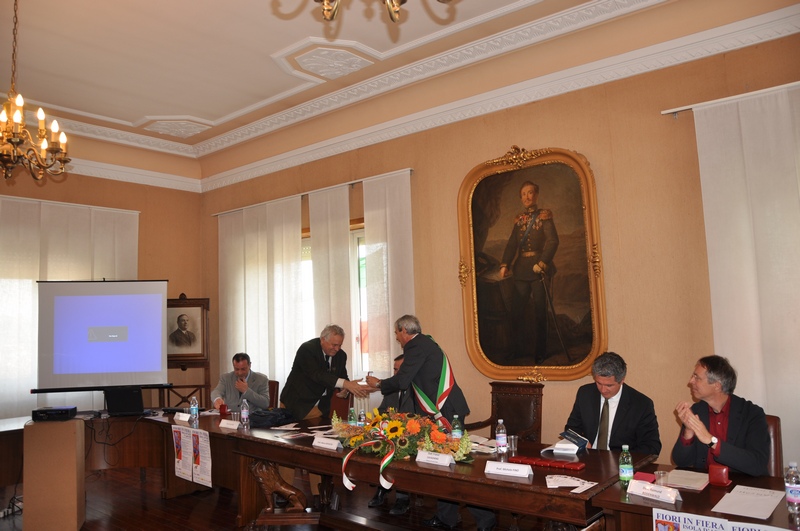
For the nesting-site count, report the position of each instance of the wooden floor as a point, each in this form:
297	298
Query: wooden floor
129	500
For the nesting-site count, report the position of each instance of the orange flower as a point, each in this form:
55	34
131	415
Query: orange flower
412	427
438	437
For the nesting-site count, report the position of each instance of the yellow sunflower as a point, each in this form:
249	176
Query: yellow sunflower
394	429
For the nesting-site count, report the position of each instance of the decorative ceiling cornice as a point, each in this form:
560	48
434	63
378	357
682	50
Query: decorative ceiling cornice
525	35
778	24
481	50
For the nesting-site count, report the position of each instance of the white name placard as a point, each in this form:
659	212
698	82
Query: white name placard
326	443
229	424
434	458
182	416
655	492
517	470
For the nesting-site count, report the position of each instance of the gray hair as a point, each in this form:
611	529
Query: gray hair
409	323
610	364
331	330
719	369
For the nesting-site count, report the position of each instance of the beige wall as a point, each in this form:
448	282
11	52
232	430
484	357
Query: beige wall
649	203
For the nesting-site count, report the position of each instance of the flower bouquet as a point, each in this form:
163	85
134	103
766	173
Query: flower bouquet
394	435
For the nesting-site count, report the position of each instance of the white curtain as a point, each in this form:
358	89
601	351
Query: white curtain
749	154
329	218
389	264
259	286
52	241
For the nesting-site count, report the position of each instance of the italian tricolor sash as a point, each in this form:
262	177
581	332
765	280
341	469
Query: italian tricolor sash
446	383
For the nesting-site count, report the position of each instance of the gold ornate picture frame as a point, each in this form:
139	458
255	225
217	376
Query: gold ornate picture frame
530	249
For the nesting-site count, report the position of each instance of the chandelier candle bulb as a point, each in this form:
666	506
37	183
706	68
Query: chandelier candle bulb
40	116
54	129
44	148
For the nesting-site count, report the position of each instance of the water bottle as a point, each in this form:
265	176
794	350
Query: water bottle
625	467
500	436
245	415
351	417
458	429
792	482
194	410
362	418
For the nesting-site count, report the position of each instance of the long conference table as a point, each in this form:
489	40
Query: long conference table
148	442
626	512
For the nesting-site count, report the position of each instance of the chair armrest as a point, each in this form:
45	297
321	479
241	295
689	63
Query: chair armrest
472	426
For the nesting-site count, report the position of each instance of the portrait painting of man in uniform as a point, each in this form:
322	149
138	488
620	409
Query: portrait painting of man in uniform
531	266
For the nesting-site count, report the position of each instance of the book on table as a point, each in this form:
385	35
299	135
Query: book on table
575	438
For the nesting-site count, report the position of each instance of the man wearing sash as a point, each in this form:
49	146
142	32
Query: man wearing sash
427	372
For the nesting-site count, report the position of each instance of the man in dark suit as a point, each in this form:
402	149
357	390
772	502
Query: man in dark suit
721	427
610	413
422	365
402	402
529	254
182	336
319	367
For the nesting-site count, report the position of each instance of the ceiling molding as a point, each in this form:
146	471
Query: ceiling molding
133	175
727	38
524	35
719	40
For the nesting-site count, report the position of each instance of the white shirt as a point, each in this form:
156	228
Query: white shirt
613	402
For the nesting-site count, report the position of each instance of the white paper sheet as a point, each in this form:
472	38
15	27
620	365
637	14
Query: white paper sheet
750	502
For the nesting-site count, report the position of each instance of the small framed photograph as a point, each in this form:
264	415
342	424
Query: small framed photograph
187	329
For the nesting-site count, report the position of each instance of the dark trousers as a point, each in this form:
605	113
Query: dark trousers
447	512
523	324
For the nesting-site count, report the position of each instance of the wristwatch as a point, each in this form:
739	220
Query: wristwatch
714	441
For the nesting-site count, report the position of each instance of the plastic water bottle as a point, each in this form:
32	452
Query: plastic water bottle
625	467
245	415
792	482
458	429
501	437
351	417
194	410
362	418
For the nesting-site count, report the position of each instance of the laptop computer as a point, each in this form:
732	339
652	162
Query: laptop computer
124	401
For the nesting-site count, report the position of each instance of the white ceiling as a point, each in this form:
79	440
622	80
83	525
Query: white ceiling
179	67
191	73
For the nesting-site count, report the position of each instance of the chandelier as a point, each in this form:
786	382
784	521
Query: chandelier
331	7
18	147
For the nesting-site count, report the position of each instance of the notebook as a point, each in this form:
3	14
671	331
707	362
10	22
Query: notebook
124	401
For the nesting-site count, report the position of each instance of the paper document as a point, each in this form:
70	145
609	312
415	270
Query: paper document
686	479
555	481
750	502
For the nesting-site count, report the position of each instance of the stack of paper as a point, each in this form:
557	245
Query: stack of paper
482	444
685	479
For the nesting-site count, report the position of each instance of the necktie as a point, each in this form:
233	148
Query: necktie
602	436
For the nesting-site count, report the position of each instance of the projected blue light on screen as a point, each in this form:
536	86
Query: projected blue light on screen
107	334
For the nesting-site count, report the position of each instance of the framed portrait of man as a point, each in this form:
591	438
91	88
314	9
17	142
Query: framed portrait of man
531	267
187	329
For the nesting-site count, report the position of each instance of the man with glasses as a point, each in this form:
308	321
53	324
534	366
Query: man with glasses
319	367
720	427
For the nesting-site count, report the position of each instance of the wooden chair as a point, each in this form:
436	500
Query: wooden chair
775	464
274	387
341	406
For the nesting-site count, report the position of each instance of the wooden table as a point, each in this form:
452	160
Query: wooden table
633	513
462	483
